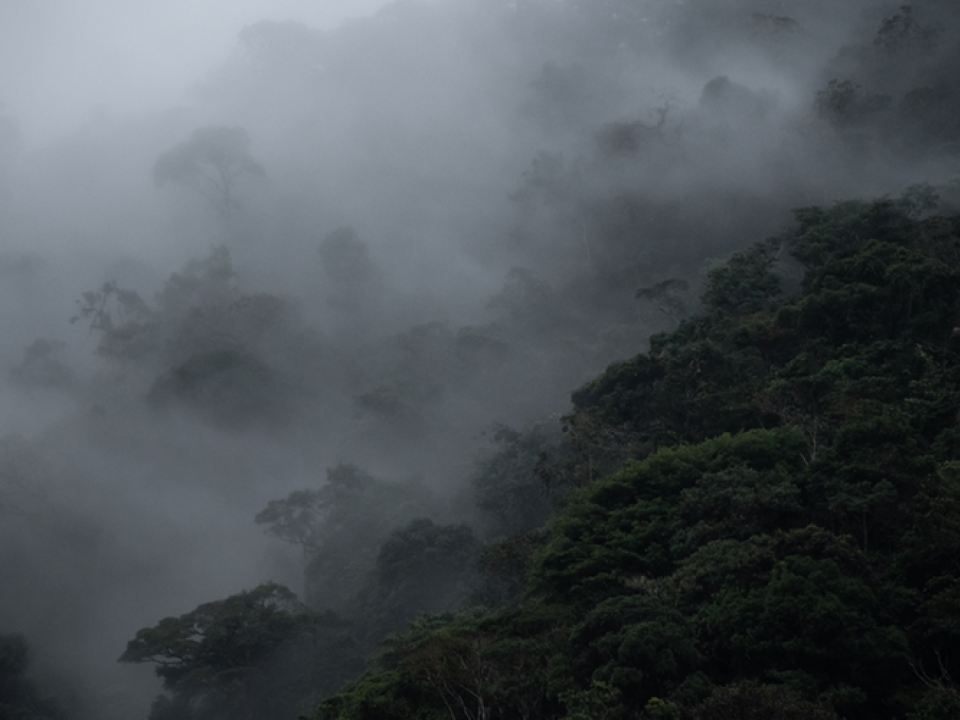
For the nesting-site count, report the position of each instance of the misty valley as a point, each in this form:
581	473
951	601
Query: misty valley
495	360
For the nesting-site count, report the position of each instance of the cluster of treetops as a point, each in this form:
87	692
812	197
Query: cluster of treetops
758	518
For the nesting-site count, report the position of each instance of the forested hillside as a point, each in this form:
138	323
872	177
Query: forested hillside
779	540
540	360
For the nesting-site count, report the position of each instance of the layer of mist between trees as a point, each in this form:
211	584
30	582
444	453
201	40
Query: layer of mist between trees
342	294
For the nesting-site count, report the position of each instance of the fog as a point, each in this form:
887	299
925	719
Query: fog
438	218
61	61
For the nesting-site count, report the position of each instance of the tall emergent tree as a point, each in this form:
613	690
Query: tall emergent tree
210	162
260	653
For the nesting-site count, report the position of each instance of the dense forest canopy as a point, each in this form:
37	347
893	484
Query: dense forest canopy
779	542
480	360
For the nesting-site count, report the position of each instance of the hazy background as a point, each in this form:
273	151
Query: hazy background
60	60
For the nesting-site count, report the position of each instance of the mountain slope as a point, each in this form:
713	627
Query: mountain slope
780	538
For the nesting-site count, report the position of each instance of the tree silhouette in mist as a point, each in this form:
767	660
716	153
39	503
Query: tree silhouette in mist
211	162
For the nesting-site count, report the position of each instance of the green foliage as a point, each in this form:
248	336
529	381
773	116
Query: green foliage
861	368
199	310
469	666
878	283
204	337
257	652
371	555
637	644
504	566
341	527
599	702
630	523
421	568
780	538
941	701
182	646
742	285
302	516
753	701
511	496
